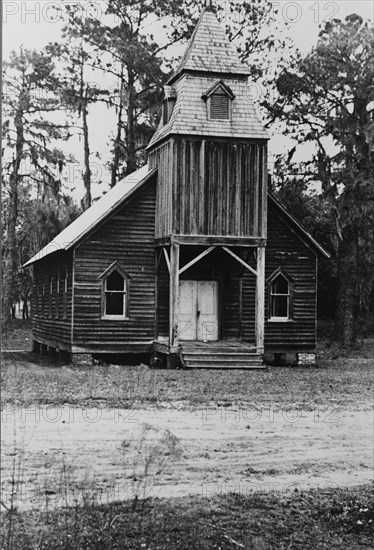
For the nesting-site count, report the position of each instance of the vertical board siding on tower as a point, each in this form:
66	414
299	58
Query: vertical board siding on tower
48	321
161	158
127	237
286	250
194	176
216	188
263	203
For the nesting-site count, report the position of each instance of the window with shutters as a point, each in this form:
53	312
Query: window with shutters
115	293
65	296
50	296
37	298
42	299
219	101
57	296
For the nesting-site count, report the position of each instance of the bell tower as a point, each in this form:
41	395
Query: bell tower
210	150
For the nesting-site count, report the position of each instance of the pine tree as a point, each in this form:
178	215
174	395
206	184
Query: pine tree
29	154
328	99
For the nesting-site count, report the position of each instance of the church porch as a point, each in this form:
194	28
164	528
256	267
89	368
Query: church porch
210	305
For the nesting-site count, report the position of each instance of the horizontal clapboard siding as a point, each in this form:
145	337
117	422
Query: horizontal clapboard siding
248	305
51	319
210	187
163	293
285	249
127	237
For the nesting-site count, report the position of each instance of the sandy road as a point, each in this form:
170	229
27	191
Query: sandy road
65	454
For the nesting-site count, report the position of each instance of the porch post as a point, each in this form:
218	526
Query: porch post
260	299
174	296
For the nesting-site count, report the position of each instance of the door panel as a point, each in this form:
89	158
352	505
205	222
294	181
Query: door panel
207	314
198	310
187	310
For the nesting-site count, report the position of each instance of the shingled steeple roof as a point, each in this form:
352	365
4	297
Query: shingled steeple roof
209	50
210	60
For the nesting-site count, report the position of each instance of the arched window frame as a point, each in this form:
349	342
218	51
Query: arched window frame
105	292
219	88
280	272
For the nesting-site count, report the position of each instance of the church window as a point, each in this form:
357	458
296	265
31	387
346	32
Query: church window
115	293
280	289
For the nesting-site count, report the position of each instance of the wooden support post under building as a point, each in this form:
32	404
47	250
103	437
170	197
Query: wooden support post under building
260	299
174	297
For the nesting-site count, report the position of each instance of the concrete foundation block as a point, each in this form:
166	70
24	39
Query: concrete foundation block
81	359
306	359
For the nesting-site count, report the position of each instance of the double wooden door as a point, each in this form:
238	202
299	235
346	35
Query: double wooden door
198	310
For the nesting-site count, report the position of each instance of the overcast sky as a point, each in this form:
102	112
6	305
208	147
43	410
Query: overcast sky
34	23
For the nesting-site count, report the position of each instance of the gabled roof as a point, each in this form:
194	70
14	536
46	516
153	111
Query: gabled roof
95	214
280	271
293	222
219	85
209	50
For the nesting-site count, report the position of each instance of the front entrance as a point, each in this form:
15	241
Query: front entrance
198	310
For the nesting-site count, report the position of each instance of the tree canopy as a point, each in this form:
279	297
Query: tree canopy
327	99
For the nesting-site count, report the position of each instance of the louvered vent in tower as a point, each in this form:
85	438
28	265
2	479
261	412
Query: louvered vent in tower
219	99
219	105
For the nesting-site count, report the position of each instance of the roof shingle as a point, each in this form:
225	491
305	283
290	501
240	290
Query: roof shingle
190	117
209	50
210	56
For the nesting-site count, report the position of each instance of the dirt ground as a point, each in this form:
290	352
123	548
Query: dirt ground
59	455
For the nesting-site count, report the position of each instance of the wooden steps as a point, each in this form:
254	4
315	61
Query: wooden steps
217	355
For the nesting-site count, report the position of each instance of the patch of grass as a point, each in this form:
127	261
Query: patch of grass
338	381
17	335
340	519
32	379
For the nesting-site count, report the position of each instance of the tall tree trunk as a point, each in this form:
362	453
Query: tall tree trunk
87	170
345	320
25	309
117	143
10	266
130	135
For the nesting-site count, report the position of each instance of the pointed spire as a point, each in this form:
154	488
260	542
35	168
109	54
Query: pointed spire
209	49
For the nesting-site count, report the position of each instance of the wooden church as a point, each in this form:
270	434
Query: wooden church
189	258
